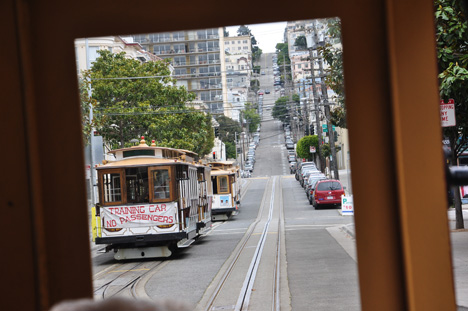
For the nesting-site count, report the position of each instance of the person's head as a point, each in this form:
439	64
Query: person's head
118	304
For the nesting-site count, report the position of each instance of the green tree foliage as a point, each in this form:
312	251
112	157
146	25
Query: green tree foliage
282	105
230	150
251	117
227	128
254	85
333	55
326	150
301	43
153	107
284	63
452	56
303	146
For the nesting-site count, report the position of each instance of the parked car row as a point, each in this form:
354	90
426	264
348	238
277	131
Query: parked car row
320	190
250	158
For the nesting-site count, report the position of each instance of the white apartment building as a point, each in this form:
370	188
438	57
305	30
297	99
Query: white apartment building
115	44
238	66
198	57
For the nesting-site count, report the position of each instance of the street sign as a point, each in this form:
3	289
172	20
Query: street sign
447	113
325	128
347	205
312	149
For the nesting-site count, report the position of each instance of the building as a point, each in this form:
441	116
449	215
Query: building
115	44
238	72
198	60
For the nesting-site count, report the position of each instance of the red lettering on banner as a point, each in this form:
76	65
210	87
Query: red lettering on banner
111	223
157	208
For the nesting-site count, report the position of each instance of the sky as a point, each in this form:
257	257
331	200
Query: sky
267	35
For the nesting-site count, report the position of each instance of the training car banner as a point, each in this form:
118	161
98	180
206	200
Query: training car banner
133	216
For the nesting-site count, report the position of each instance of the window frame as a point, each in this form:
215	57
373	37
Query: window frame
218	184
152	199
123	188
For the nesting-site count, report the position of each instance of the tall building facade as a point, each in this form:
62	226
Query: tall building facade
238	52
198	60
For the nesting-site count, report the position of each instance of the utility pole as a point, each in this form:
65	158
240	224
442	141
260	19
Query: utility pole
331	133
293	108
306	112
320	160
91	135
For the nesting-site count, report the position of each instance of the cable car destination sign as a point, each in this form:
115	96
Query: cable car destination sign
447	113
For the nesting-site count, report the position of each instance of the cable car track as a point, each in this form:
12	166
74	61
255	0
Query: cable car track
245	291
125	282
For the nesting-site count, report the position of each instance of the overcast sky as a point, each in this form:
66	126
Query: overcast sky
267	35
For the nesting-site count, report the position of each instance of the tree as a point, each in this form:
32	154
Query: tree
333	55
155	107
303	146
230	150
452	56
326	150
281	110
282	105
251	116
228	128
256	51
301	43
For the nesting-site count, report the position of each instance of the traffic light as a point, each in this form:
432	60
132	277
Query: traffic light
312	129
216	132
214	155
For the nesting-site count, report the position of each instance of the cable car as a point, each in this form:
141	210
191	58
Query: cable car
152	201
226	182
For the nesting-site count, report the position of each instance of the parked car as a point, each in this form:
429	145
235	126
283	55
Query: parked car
291	158
248	167
313	179
327	192
307	174
292	167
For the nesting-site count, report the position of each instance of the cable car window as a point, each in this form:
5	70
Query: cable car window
161	184
223	184
111	187
136	181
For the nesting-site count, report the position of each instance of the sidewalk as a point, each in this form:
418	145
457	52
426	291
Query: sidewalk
459	241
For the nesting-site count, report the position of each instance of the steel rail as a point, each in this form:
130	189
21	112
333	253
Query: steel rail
239	251
104	288
246	291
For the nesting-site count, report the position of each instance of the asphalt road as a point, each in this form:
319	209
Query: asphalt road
320	267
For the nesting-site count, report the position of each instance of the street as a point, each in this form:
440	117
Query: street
304	252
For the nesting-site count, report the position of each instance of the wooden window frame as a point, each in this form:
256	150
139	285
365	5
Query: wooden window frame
218	184
123	188
151	184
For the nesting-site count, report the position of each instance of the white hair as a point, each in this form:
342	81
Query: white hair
118	304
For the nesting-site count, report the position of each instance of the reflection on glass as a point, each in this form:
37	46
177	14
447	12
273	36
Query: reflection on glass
161	184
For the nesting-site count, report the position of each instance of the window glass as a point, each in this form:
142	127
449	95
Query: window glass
161	184
324	186
111	187
136	182
223	184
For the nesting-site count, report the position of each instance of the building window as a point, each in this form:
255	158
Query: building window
178	36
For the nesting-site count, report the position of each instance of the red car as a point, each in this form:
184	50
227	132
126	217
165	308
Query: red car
327	192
